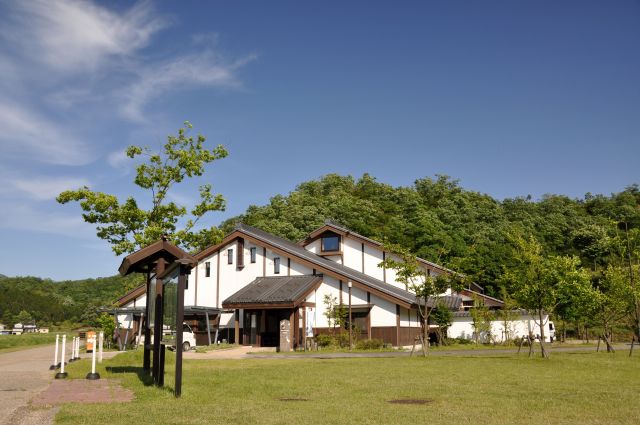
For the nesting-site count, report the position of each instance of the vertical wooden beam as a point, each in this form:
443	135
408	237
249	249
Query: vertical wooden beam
146	360
218	282
263	326
182	281
304	328
264	261
362	257
292	334
397	325
157	325
384	269
240	253
288	266
195	296
340	300
237	327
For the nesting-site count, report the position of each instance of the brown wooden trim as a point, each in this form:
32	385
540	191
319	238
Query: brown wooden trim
316	267
340	301
240	253
330	253
237	326
259	306
132	295
374	244
397	324
264	261
384	268
288	266
307	304
368	297
218	282
369	324
195	289
362	257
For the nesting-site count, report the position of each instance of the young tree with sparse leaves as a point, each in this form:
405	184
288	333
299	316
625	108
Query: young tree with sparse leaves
417	279
126	226
537	281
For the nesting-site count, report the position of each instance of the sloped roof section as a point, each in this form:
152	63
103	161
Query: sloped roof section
285	291
144	259
348	273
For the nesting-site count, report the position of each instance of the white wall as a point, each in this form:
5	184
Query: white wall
462	327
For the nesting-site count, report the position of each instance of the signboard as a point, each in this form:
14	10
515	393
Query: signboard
91	339
170	307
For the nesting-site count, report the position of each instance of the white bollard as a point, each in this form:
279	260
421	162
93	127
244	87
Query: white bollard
72	356
100	344
78	348
62	374
54	366
93	375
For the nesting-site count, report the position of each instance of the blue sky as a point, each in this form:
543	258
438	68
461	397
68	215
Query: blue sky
512	98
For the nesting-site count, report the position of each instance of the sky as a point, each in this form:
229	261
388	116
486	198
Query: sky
511	98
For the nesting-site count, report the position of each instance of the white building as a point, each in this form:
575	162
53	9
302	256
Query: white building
253	280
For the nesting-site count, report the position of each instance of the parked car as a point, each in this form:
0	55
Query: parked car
188	338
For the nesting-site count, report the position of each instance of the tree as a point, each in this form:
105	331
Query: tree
613	301
481	321
538	280
24	317
418	280
127	226
335	313
442	317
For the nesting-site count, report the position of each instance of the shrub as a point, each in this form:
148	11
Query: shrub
325	340
370	344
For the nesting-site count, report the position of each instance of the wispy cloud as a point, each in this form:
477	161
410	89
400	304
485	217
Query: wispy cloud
26	133
46	188
73	36
26	217
203	69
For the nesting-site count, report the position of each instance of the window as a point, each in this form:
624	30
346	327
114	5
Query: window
207	269
252	251
230	256
330	243
276	265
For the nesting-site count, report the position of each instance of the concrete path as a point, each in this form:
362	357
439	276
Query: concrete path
24	374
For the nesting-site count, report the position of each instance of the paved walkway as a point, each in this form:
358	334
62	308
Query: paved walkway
24	375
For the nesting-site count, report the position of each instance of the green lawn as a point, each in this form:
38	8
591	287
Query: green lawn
585	388
13	342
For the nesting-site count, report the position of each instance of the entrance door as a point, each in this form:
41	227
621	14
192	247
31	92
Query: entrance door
251	327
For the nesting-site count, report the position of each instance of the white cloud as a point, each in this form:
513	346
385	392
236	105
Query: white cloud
118	159
26	133
46	188
71	35
205	69
18	216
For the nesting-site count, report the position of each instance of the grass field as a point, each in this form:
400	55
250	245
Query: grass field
585	388
14	342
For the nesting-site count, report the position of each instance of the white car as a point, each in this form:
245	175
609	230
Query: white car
188	338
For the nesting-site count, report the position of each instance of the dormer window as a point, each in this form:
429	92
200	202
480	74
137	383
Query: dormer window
330	242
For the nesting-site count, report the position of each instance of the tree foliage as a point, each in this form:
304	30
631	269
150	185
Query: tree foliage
127	226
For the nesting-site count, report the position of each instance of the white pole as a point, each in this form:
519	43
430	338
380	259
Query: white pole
93	375
62	373
64	346
55	355
100	344
76	348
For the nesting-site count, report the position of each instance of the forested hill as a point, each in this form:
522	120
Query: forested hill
49	302
442	222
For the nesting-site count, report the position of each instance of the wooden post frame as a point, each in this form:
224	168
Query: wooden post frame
182	268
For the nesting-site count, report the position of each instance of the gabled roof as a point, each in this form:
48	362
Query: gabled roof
144	259
321	264
488	301
132	295
330	225
274	291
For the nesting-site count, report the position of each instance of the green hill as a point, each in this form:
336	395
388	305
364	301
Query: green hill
49	302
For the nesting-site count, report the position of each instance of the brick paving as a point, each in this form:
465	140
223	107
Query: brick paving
83	391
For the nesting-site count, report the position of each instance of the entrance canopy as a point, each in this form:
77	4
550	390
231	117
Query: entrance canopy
145	259
274	292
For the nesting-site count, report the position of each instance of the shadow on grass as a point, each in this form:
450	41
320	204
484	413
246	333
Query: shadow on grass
144	376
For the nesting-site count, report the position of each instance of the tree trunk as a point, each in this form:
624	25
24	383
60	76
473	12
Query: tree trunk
545	355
